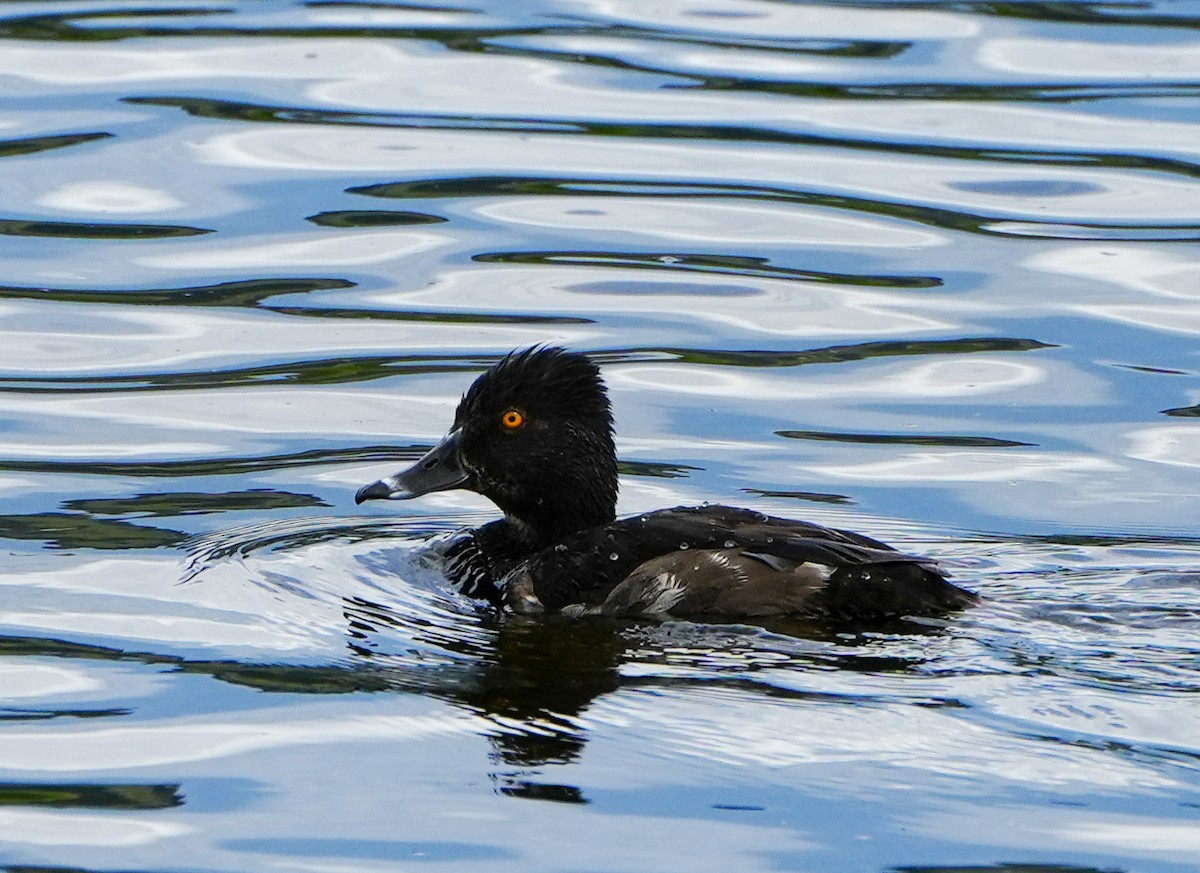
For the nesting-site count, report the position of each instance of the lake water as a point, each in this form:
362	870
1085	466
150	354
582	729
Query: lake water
925	270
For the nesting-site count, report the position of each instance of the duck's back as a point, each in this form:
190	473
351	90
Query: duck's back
725	562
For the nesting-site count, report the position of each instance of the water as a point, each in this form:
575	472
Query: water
924	270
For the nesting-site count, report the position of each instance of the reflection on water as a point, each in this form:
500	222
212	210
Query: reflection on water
920	271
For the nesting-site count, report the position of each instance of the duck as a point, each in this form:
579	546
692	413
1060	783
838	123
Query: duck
534	434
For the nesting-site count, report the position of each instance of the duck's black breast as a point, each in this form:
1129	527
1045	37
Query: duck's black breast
725	562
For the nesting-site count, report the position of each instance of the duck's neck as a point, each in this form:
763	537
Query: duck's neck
480	563
545	524
570	494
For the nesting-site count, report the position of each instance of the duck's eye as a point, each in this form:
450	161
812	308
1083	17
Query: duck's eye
512	419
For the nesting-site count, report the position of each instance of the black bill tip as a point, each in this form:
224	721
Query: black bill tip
380	490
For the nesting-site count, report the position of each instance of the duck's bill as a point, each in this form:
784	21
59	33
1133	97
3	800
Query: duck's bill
439	470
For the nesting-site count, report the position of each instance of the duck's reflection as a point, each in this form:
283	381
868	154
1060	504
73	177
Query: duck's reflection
531	679
534	679
541	676
539	679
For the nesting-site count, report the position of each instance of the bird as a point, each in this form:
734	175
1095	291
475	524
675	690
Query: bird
534	434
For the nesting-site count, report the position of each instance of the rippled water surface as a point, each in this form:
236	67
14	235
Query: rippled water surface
926	270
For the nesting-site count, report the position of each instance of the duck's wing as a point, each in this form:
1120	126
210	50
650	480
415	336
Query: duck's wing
717	583
585	569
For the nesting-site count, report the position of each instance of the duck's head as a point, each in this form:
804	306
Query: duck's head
534	435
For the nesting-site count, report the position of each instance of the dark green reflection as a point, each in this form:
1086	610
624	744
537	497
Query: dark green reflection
330	371
268	677
1053	93
48	714
39	868
655	470
1008	868
90	796
373	218
230	110
834	354
217	466
811	496
785	45
65	531
289	679
428	315
89	230
40	647
248	292
901	439
733	265
1183	412
61	26
31	145
194	503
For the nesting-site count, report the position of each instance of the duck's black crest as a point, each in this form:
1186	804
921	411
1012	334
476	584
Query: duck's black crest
546	376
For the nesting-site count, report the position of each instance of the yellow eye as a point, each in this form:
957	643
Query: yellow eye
512	419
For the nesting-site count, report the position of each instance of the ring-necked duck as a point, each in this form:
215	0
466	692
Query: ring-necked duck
534	434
